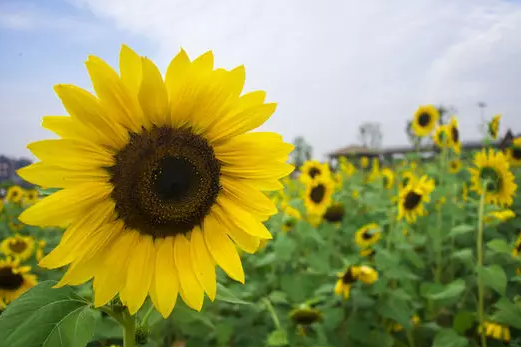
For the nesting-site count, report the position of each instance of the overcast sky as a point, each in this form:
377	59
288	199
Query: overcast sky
329	64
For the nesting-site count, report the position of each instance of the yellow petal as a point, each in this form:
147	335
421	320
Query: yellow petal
130	69
203	263
190	289
243	194
166	277
139	275
50	176
204	61
248	243
111	276
222	249
80	272
261	171
153	95
63	206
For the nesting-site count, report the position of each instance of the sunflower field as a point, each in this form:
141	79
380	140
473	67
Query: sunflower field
416	252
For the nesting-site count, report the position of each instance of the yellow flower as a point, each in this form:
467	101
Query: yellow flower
31	196
364	162
367	274
388	178
314	219
465	192
425	119
355	194
317	195
334	213
14	224
501	216
345	281
514	152
14	279
18	246
368	235
441	136
40	250
517	247
412	197
305	315
161	179
338	178
493	167
493	126
14	194
367	252
408	177
347	167
454	166
313	169
496	331
290	219
455	142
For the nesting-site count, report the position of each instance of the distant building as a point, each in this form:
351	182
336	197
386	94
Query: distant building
8	167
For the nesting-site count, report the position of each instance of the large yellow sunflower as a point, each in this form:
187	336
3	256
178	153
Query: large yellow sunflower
455	142
441	136
425	119
14	194
493	126
493	167
317	195
412	197
18	246
313	169
14	279
161	178
513	152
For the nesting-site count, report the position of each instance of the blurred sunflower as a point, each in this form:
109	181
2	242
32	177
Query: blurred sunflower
455	142
334	213
367	274
407	178
18	246
425	119
14	224
14	194
496	331
305	315
292	215
517	247
513	152
367	252
161	178
455	166
31	196
388	177
317	195
313	169
412	197
345	281
347	167
368	235
364	162
14	279
40	250
338	178
441	137
493	126
493	167
501	216
396	327
464	192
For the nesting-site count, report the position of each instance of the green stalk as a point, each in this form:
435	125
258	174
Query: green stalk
410	338
479	251
439	243
129	335
272	312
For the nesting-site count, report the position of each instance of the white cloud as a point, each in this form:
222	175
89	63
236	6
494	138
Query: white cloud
16	21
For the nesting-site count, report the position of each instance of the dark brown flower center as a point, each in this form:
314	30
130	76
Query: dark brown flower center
412	200
317	193
18	246
306	316
165	181
455	134
314	172
424	119
10	280
368	234
334	213
516	153
348	277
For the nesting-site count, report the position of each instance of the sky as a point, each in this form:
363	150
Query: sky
330	65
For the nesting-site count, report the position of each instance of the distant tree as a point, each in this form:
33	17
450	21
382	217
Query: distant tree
302	152
411	137
370	135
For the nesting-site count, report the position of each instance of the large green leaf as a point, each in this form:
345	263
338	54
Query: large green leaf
463	321
47	317
494	277
450	291
461	229
499	246
449	338
507	313
226	295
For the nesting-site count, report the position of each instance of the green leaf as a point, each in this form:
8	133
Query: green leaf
499	246
450	291
463	321
494	277
278	297
507	313
47	317
464	255
226	295
461	229
277	338
396	309
449	338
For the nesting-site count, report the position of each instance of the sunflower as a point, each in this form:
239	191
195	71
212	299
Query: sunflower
496	331
514	152
338	178
364	162
455	142
345	281
517	247
18	246
313	169
14	279
367	252
408	177
14	194
305	315
14	224
455	166
161	178
501	216
291	217
442	137
40	250
425	119
31	196
412	197
347	167
493	168
334	213
317	196
388	177
368	235
493	126
367	274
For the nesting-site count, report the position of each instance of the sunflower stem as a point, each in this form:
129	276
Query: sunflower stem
439	242
129	331
272	312
479	251
410	338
